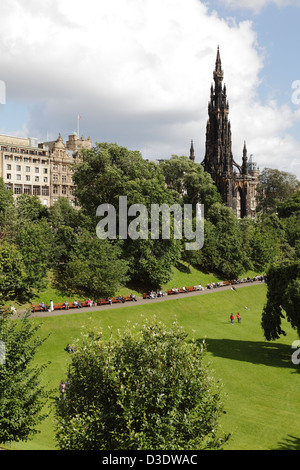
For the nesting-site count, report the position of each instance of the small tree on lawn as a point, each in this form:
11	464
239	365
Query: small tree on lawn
147	389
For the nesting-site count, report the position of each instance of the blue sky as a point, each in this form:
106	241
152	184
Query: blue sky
139	73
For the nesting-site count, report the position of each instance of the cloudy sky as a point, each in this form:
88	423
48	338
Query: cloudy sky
139	72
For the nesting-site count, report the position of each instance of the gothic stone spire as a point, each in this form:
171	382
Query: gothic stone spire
218	157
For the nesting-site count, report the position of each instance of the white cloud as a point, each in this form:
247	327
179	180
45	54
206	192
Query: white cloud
138	71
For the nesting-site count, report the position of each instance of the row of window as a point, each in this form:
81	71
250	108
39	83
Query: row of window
27	168
26	159
36	169
44	190
36	178
24	151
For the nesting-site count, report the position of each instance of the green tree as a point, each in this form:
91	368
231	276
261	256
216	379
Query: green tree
223	249
189	183
283	296
35	242
13	278
21	395
30	208
108	172
147	389
6	199
63	214
93	267
274	187
290	206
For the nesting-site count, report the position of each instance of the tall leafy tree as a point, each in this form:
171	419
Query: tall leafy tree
223	249
22	397
189	182
283	299
35	242
92	267
30	208
274	188
108	172
13	277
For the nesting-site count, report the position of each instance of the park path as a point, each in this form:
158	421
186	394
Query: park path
140	301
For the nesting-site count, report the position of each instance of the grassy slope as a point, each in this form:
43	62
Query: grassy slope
260	381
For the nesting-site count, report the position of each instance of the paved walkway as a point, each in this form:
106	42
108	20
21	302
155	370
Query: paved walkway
140	301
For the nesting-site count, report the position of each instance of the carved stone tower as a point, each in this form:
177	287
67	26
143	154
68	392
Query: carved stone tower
236	184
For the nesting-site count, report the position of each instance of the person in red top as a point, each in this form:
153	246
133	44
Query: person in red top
231	318
238	317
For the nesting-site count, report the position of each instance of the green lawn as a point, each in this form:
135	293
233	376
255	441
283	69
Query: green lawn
260	382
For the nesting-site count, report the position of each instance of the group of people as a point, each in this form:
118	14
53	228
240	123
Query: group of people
154	295
238	316
70	348
46	308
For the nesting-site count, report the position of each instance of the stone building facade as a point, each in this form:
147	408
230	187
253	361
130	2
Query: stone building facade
236	183
42	169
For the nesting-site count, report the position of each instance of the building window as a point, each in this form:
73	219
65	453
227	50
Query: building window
55	167
27	169
36	190
8	167
36	179
18	177
27	177
17	190
45	171
45	180
8	176
64	190
27	190
64	179
18	167
55	177
64	168
45	191
37	170
55	190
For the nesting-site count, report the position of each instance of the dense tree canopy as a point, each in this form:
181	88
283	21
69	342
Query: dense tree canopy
22	396
145	389
275	187
109	172
283	297
64	239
